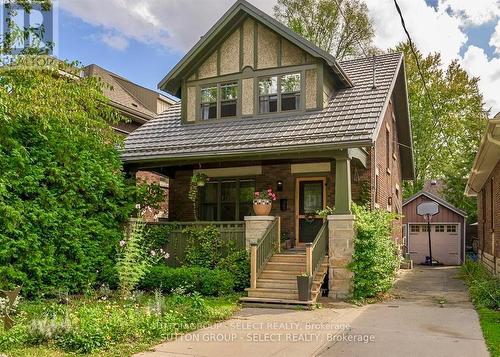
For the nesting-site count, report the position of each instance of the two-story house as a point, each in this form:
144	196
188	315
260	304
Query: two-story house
263	107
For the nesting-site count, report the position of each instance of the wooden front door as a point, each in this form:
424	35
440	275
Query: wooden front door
310	196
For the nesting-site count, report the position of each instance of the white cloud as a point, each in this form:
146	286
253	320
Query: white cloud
175	24
431	30
114	41
472	12
477	64
495	38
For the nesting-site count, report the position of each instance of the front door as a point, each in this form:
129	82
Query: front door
310	196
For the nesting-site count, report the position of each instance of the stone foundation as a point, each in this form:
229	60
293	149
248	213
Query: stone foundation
255	227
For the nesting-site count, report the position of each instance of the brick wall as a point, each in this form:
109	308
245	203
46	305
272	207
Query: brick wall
488	220
149	178
388	171
181	209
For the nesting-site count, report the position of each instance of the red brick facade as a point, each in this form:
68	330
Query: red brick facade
150	178
488	203
389	181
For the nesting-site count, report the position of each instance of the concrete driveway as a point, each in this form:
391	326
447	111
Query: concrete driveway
430	316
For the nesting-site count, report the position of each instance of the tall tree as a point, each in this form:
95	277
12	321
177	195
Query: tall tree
340	27
447	122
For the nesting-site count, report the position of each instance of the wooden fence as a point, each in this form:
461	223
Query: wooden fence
177	241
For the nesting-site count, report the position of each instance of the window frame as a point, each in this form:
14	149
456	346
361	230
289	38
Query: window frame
279	93
441	229
219	86
219	181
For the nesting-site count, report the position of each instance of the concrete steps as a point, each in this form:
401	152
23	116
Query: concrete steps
277	283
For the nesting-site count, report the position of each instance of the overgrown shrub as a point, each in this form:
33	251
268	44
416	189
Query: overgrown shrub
375	260
484	288
63	195
238	264
205	246
208	282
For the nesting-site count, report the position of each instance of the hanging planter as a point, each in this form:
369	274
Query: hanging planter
197	180
263	202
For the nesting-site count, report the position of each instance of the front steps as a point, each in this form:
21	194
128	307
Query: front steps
277	283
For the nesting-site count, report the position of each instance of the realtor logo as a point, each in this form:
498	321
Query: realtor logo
38	18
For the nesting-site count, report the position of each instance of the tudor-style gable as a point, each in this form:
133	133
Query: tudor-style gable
250	65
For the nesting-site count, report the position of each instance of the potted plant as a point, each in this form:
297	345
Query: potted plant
199	179
304	284
262	202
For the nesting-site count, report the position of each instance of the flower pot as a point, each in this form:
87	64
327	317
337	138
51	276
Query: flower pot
262	207
304	284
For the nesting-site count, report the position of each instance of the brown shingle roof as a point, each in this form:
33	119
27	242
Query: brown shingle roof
351	118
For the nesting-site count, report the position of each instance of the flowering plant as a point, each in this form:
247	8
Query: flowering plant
265	195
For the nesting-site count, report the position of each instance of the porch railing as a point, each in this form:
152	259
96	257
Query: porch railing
177	240
261	251
316	251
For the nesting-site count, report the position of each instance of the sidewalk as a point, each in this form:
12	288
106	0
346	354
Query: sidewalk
431	317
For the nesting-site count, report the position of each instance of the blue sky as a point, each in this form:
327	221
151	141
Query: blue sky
143	39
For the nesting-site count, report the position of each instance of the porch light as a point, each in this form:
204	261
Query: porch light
279	186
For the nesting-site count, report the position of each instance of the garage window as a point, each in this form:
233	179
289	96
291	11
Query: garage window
451	229
439	228
425	228
414	229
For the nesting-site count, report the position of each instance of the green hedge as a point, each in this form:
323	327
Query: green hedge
375	260
208	282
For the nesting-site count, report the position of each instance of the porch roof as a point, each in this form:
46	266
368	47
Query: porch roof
352	119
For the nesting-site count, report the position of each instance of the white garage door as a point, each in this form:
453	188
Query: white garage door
445	240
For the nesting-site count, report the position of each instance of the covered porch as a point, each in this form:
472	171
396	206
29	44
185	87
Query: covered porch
304	184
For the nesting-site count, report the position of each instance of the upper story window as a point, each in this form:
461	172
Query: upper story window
290	91
279	93
224	94
229	99
209	103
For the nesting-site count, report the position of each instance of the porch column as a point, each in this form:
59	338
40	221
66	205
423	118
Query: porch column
255	227
343	185
341	233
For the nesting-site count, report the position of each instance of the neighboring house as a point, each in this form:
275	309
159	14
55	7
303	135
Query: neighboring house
139	105
262	107
447	229
484	183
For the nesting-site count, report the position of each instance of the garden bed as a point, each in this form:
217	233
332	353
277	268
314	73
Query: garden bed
105	326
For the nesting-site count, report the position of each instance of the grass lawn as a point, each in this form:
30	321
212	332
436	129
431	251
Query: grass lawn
104	326
490	324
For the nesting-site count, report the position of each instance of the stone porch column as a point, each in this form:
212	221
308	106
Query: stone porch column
341	233
255	227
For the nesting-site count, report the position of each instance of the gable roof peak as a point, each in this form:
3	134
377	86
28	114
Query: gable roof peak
239	10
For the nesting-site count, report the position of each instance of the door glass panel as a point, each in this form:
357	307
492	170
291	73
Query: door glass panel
311	197
247	189
228	201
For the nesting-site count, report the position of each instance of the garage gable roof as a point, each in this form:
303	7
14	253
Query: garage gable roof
437	199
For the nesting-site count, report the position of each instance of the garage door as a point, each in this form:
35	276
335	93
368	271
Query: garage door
445	243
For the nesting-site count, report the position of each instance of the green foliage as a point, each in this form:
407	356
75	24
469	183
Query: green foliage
323	213
484	288
107	327
321	22
490	322
208	282
238	264
135	258
375	259
198	179
205	246
446	134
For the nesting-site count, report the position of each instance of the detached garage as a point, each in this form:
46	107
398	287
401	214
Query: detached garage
447	231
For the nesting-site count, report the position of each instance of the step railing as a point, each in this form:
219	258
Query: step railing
263	249
316	251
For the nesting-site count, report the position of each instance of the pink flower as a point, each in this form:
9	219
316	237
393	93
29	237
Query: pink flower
122	243
257	194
